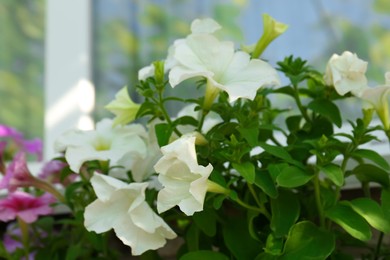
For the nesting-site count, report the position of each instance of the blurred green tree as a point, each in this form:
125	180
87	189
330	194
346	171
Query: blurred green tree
22	65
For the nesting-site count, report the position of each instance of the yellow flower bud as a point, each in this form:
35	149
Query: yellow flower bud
123	107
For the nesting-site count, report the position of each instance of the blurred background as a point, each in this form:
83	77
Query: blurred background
125	35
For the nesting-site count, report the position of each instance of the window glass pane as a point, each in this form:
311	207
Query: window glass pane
130	34
21	65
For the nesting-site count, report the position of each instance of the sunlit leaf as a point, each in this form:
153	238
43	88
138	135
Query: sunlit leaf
350	221
307	241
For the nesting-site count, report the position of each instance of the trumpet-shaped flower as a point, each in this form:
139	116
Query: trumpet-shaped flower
25	206
33	146
271	30
123	107
17	174
120	145
122	207
184	180
198	26
51	172
202	54
143	166
346	73
378	98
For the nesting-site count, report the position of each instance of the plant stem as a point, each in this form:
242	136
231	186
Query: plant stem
261	210
45	186
317	194
378	246
201	120
261	205
160	103
23	226
299	104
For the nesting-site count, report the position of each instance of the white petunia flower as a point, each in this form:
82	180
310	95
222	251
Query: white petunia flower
346	73
122	207
198	26
378	97
223	67
184	180
120	145
143	166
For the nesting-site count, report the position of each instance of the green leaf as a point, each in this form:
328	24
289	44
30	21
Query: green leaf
327	109
163	133
250	134
264	181
206	221
373	156
350	221
371	173
285	212
73	252
238	240
246	170
280	152
204	255
218	201
307	241
385	201
251	216
334	173
371	212
192	238
276	169
274	245
292	177
294	123
185	120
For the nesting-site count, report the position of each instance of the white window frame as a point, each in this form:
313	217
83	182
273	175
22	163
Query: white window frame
69	94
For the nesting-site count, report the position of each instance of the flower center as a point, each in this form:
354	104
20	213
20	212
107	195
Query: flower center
102	144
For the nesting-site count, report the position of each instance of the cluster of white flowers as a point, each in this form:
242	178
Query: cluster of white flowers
122	206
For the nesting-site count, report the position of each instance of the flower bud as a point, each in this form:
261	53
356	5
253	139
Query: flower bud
271	30
123	107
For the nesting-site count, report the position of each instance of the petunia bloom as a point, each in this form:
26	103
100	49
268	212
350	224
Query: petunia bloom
198	26
17	174
346	73
184	180
120	145
378	98
51	172
122	207
33	146
123	107
202	54
25	206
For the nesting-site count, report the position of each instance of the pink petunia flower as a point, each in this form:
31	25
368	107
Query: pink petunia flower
17	174
33	146
51	172
25	206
